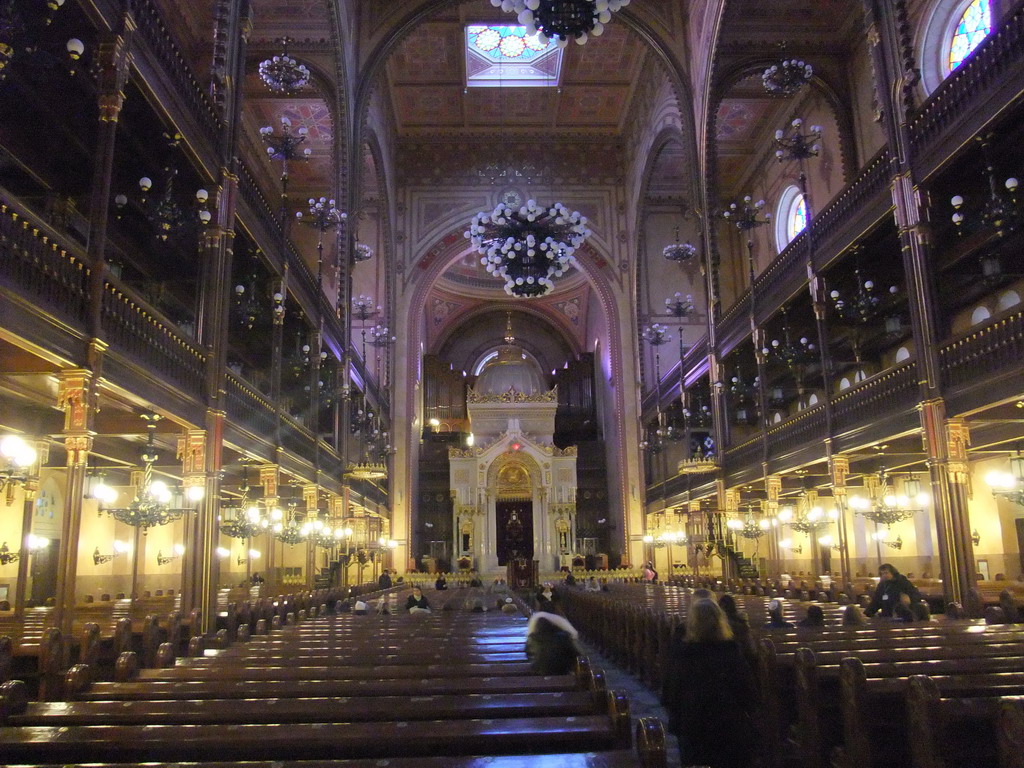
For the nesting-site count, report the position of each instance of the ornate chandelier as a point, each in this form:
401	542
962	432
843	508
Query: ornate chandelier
679	252
865	304
282	73
809	517
244	520
367	470
361	253
787	77
1009	485
527	247
153	503
789	353
563	20
748	526
883	506
16	460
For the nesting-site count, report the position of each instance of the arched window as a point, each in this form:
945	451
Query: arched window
1008	299
791	217
971	28
954	29
902	354
980	315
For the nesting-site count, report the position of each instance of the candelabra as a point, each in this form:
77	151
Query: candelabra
562	20
744	395
865	304
168	217
283	74
679	252
797	145
791	354
323	215
380	336
162	559
883	506
361	253
786	77
285	147
363	308
247	306
1000	212
679	306
1009	485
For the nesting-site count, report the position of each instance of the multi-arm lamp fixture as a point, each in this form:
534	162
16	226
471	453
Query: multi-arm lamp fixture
787	76
883	506
1009	485
282	73
562	20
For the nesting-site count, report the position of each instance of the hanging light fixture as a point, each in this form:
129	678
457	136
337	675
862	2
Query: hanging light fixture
797	145
1001	212
1009	485
787	76
361	253
679	252
748	524
154	503
865	304
247	306
808	516
679	306
17	458
563	20
789	353
282	73
883	506
363	307
528	246
380	336
244	519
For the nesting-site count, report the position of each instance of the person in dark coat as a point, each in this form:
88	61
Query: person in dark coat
775	620
709	692
891	585
551	644
384	582
815	617
740	625
544	600
416	601
441	584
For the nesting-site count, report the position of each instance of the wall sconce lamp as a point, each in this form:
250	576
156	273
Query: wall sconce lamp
222	551
254	554
120	548
976	537
33	544
788	544
179	550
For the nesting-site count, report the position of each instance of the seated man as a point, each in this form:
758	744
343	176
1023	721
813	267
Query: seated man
417	603
891	586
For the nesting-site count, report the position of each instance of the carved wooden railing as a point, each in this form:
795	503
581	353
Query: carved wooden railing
154	32
745	454
885	394
296	439
830	225
371	491
41	265
132	327
668	489
806	428
998	348
967	90
250	410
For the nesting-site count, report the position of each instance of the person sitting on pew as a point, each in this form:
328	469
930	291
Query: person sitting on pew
853	616
740	626
570	578
891	585
709	692
441	584
592	585
544	600
815	617
703	594
1011	613
384	581
649	575
921	611
902	612
417	603
955	611
551	644
775	620
359	609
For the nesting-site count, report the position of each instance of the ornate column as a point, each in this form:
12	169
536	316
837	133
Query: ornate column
311	498
773	490
76	396
732	509
839	468
269	477
28	509
896	76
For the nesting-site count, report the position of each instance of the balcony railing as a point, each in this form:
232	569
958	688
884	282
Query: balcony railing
884	395
965	93
37	263
806	428
154	32
745	454
980	355
250	410
296	439
132	327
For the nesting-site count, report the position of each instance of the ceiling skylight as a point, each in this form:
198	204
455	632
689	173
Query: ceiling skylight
506	56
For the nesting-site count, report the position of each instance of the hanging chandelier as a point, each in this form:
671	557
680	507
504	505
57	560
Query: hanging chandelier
17	458
748	525
1009	485
154	503
788	76
679	252
563	20
528	246
361	253
1002	212
679	306
282	73
367	470
883	506
245	519
792	354
865	304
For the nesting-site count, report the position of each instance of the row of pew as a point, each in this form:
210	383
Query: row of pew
937	694
449	688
